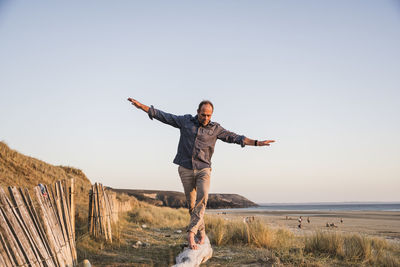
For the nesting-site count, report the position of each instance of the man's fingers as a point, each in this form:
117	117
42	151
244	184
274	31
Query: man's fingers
268	142
133	101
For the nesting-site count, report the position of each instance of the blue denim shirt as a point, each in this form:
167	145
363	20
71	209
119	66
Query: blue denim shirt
197	142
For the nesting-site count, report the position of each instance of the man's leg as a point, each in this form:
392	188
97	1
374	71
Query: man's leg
189	186
202	186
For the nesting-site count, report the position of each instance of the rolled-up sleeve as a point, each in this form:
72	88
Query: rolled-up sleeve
167	118
151	112
230	137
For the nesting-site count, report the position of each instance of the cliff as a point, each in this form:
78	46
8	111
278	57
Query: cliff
175	199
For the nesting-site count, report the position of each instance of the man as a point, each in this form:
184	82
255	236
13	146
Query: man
195	149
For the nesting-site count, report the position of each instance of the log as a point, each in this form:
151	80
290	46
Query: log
193	258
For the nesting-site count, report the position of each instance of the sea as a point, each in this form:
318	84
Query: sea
340	206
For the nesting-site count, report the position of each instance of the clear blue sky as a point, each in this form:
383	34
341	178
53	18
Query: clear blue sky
320	77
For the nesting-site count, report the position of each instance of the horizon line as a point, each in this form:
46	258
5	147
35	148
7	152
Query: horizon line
328	202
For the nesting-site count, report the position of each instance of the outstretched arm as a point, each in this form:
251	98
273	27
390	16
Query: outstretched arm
139	105
231	137
171	119
251	142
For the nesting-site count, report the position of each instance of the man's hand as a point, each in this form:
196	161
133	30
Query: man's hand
138	104
265	143
251	142
134	102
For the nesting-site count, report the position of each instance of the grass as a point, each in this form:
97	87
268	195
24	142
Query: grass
234	243
19	170
257	234
353	248
164	217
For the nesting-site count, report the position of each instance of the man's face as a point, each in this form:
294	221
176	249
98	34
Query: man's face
204	114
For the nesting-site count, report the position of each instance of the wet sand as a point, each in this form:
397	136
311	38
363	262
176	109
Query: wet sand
384	224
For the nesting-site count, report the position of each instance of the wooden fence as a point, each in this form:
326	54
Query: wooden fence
38	231
100	213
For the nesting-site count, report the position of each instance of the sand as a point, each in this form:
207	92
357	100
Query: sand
385	224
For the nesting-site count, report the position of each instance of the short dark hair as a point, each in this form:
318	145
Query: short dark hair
206	102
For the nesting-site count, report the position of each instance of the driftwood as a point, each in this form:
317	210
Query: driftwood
67	221
29	224
50	228
7	257
193	258
100	212
72	201
39	226
55	215
19	231
107	214
37	232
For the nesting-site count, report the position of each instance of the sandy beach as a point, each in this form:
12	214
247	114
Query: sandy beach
384	224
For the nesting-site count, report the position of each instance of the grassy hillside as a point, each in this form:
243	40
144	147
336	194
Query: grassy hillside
20	170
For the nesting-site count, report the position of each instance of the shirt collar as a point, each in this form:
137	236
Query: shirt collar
195	119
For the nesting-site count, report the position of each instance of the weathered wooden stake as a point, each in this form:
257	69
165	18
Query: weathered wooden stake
73	206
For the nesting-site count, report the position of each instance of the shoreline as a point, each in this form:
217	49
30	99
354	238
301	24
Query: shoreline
384	224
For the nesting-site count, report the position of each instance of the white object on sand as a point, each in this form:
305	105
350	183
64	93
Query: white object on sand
85	263
194	257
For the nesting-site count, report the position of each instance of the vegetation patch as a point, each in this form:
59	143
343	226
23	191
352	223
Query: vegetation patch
353	248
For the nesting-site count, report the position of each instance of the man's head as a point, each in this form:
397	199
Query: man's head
204	112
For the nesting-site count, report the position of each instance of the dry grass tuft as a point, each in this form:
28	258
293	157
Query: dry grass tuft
327	243
159	216
357	248
256	233
352	248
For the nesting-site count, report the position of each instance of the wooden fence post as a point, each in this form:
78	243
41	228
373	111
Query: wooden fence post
72	192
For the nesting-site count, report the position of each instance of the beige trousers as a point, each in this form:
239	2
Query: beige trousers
196	184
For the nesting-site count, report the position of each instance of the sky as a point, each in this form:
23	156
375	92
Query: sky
322	78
